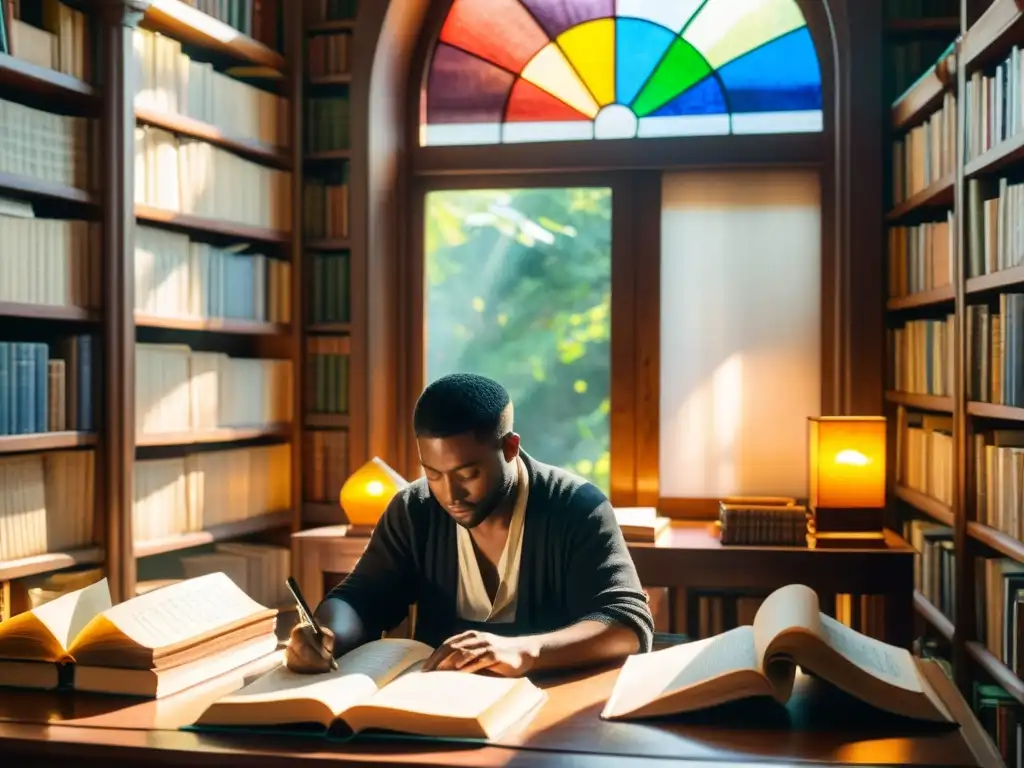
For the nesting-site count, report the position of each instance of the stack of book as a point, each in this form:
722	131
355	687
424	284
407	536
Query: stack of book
153	645
763	521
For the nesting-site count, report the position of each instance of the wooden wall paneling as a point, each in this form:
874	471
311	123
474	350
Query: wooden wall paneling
295	58
117	443
384	38
860	247
625	301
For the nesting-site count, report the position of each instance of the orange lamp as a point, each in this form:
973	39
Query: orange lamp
847	478
368	491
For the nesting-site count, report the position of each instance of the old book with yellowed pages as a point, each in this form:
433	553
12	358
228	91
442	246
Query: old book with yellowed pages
380	686
788	631
158	643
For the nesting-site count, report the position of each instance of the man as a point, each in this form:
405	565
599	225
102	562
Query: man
514	565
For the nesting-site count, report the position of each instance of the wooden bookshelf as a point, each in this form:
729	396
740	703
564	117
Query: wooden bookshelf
176	19
114	327
925	95
922	299
935	403
975	533
203	226
933	616
329	432
196	129
921	502
50	427
937	195
30	188
25	77
45	441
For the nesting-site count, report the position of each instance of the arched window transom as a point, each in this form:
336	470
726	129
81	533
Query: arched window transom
510	71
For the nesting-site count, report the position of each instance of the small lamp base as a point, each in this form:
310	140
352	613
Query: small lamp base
849	528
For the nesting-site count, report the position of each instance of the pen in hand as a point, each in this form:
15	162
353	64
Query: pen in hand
306	616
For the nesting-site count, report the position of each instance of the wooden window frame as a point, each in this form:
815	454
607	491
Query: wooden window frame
852	354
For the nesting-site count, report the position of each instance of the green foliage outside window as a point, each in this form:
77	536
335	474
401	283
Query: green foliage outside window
519	289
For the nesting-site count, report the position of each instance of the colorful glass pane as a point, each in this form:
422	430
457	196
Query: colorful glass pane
570	70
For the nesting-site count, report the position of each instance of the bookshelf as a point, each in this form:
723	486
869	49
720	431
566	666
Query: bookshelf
329	27
956	279
156	333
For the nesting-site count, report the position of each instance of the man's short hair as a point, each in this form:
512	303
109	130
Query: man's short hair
460	403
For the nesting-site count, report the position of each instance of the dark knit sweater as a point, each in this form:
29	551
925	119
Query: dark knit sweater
575	565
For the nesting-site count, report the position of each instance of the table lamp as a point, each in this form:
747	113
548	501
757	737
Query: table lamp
847	482
367	492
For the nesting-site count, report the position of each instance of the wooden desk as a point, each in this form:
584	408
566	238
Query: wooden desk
690	556
42	729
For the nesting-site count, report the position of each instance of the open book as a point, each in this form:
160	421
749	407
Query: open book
761	660
380	686
159	642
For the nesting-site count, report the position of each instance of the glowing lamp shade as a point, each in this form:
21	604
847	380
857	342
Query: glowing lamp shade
368	490
847	462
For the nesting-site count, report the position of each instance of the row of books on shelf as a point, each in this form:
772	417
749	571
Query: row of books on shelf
172	83
921	356
199	179
907	58
327	123
182	391
46	388
329	55
995	226
325	204
180	278
259	19
925	454
995	370
52	35
47	503
47	500
329	287
327	366
47	146
184	494
926	153
935	563
325	464
999	478
921	257
48	261
992	105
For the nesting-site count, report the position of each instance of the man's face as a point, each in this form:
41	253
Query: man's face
468	476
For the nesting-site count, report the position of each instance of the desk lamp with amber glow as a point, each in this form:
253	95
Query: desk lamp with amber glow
847	482
367	493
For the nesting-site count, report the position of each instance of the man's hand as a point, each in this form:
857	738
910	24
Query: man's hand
478	651
308	655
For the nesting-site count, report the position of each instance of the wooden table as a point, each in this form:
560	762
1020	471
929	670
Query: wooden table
690	557
820	726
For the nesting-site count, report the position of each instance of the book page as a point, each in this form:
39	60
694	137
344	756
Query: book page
647	677
68	615
886	662
359	674
178	612
443	694
794	606
44	633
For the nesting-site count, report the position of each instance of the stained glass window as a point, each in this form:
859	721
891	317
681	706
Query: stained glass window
508	71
